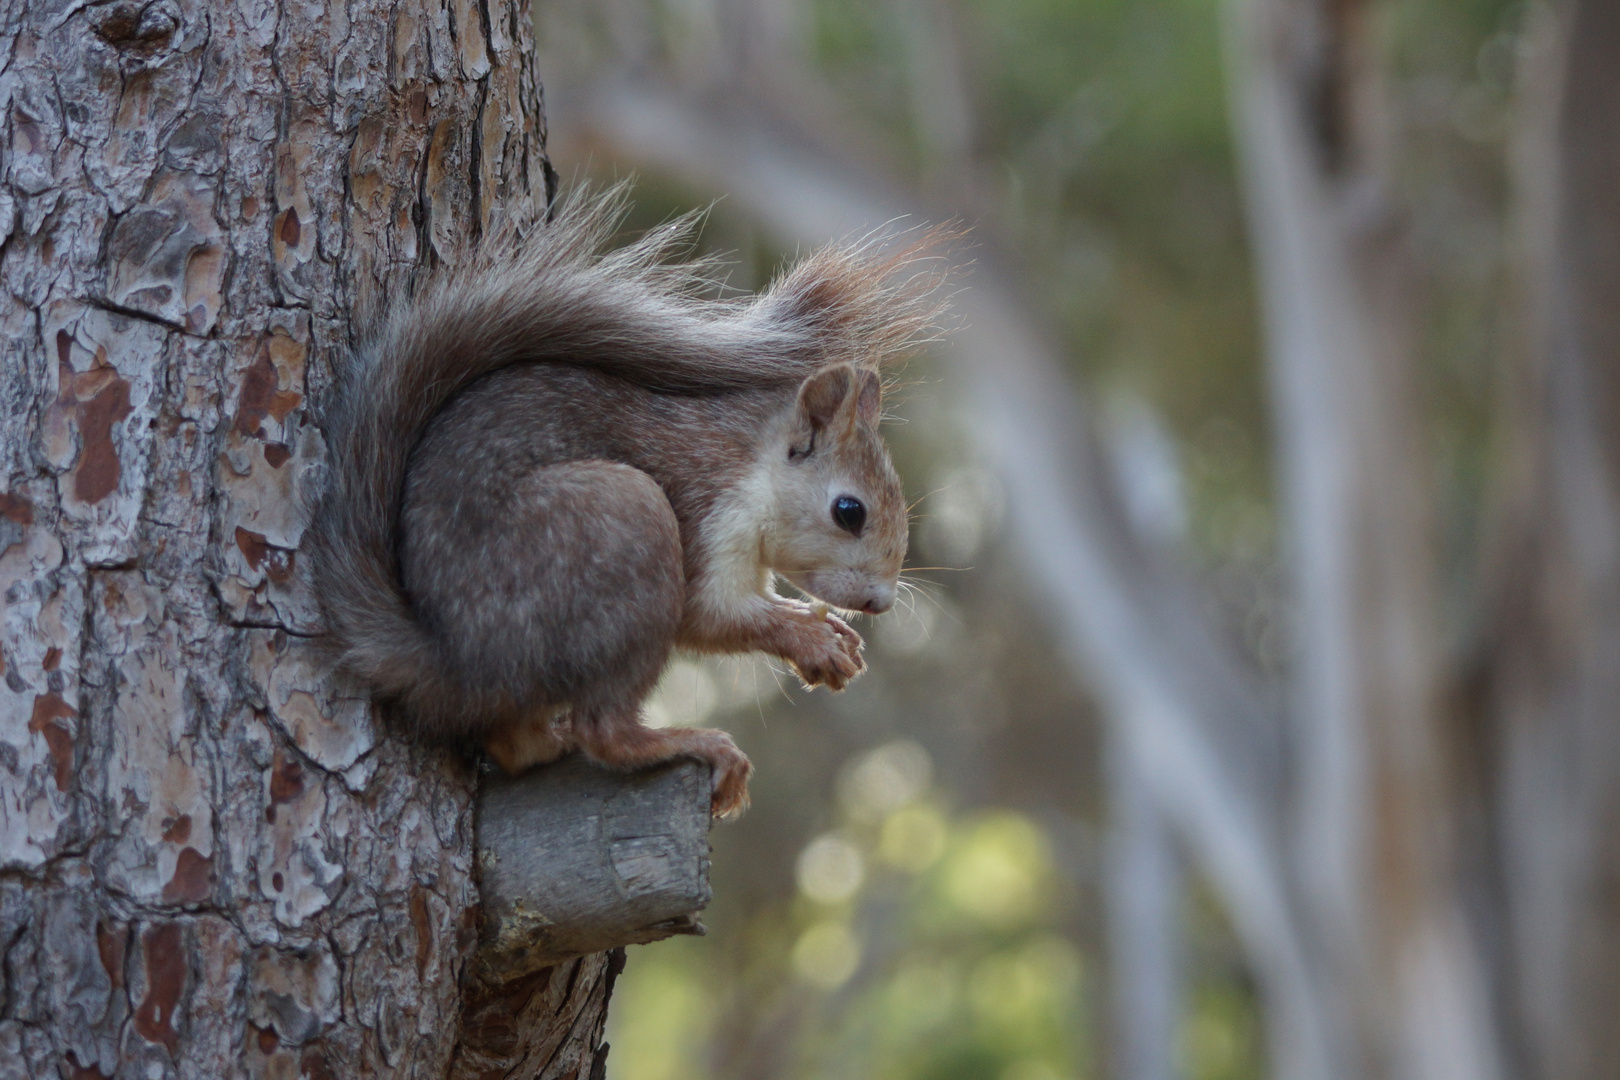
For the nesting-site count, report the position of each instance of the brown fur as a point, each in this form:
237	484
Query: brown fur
553	467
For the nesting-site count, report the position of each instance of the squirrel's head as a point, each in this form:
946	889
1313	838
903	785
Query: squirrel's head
839	528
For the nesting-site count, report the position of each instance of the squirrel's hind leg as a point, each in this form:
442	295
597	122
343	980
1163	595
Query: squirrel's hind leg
534	740
563	591
618	738
553	587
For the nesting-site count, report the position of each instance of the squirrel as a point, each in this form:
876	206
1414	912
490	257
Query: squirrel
557	465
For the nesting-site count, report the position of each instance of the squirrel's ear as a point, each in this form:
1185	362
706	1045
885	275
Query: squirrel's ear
822	394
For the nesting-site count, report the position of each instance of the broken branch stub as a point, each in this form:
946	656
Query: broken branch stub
577	859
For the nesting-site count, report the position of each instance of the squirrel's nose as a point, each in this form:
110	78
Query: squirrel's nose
883	601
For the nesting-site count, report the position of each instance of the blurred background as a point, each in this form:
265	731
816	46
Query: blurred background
1252	709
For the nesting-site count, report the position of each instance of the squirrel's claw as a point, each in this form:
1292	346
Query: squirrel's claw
831	655
730	797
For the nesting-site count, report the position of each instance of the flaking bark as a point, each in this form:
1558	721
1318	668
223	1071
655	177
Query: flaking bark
212	861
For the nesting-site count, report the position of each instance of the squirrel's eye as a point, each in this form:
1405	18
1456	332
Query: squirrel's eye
848	514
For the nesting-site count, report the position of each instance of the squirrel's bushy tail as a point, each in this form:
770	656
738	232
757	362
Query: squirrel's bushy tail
546	293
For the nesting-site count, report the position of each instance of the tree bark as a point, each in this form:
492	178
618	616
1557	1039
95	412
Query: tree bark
213	863
621	860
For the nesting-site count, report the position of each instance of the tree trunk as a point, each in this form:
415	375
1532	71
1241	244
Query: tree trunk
1550	753
1374	860
214	862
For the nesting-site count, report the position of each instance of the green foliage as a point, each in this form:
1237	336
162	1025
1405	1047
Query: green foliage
964	977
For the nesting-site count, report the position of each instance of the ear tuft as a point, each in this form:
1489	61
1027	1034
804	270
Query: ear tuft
869	400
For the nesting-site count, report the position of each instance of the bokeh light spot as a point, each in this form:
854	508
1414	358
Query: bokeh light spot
826	955
884	779
999	872
830	869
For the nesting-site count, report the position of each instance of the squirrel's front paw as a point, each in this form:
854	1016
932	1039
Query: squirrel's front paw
827	652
